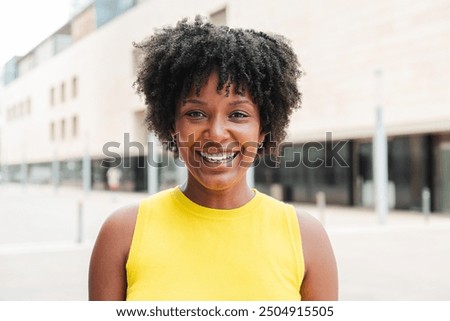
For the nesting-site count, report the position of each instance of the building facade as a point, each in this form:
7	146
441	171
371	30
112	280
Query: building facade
69	112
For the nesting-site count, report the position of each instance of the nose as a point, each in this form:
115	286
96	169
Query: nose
217	130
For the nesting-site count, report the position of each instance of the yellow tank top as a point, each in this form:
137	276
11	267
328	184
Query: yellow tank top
183	251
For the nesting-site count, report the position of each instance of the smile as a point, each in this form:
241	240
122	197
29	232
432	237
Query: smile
218	157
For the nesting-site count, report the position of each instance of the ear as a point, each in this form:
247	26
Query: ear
261	137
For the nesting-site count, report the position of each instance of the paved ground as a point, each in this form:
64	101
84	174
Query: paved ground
41	257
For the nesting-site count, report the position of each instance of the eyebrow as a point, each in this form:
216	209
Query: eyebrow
193	101
233	103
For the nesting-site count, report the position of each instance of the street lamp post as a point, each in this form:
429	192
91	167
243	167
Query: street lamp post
380	159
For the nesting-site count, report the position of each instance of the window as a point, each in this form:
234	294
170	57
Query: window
20	110
52	131
63	128
52	96
74	126
74	87
219	17
28	111
63	92
137	58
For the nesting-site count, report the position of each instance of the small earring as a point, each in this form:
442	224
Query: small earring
261	145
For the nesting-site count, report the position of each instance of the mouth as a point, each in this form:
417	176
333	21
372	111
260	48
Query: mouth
218	158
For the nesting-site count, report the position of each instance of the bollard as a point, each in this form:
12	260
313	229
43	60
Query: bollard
80	222
320	199
426	203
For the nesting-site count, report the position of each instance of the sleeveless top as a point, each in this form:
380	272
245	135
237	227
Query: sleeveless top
184	251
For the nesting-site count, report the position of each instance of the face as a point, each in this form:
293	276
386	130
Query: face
217	136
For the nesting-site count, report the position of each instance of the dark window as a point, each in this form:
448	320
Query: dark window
63	92
74	87
219	17
74	126
28	106
52	131
63	128
52	96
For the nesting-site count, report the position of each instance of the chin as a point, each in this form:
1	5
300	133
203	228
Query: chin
220	181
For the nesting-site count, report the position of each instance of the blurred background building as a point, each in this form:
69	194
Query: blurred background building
68	105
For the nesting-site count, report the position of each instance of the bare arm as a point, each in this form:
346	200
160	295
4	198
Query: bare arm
320	282
107	275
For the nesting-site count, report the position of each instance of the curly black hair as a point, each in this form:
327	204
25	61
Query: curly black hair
178	59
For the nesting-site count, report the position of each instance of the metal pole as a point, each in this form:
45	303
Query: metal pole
426	203
321	203
2	171
380	164
181	172
24	174
86	167
24	168
56	171
152	169
251	176
380	169
87	173
79	238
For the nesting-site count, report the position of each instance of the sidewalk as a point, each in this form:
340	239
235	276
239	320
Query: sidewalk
407	258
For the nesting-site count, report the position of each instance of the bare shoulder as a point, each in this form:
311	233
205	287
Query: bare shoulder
320	281
119	227
124	217
107	277
312	231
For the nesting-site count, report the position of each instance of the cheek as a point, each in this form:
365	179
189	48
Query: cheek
249	151
185	137
250	133
249	141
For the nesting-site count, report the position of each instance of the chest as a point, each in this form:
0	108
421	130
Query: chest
191	259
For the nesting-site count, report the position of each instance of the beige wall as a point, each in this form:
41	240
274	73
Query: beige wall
340	44
84	23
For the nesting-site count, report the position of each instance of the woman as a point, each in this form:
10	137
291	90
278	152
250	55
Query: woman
219	96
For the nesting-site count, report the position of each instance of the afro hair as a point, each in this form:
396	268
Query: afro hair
176	60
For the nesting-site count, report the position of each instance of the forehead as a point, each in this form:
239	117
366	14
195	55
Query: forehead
211	86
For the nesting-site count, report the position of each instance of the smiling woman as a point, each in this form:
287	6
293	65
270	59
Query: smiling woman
219	96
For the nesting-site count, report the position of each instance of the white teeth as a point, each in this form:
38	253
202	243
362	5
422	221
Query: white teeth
219	157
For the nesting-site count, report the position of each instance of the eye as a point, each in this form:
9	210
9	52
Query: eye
195	114
238	114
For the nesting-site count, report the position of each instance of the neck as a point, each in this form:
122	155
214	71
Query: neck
230	198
